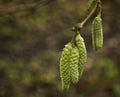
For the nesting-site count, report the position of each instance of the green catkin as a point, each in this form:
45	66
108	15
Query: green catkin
82	53
74	65
64	66
97	33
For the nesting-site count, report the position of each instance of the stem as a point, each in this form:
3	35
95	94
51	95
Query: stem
73	38
89	15
100	8
81	24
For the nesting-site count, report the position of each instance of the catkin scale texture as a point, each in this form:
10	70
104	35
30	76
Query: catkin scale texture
82	53
74	58
64	66
97	33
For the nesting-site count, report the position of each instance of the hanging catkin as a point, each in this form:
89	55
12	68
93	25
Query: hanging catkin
64	66
82	53
74	58
97	33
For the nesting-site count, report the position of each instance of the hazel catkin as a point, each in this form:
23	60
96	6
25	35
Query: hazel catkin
64	66
74	58
82	53
97	33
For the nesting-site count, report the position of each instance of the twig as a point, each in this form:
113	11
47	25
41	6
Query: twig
80	25
89	15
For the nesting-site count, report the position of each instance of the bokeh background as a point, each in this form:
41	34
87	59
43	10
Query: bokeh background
32	36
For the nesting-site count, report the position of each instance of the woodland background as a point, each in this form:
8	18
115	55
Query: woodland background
32	35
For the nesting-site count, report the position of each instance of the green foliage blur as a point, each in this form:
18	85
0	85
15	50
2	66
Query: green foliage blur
32	35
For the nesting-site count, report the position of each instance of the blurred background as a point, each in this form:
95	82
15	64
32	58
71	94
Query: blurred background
32	36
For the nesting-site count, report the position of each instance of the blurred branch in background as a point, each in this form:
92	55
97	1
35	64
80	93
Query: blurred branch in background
25	6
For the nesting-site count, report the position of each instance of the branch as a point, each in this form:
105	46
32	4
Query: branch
89	15
80	25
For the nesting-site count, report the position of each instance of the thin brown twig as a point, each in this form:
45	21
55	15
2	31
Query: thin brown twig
79	26
89	15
